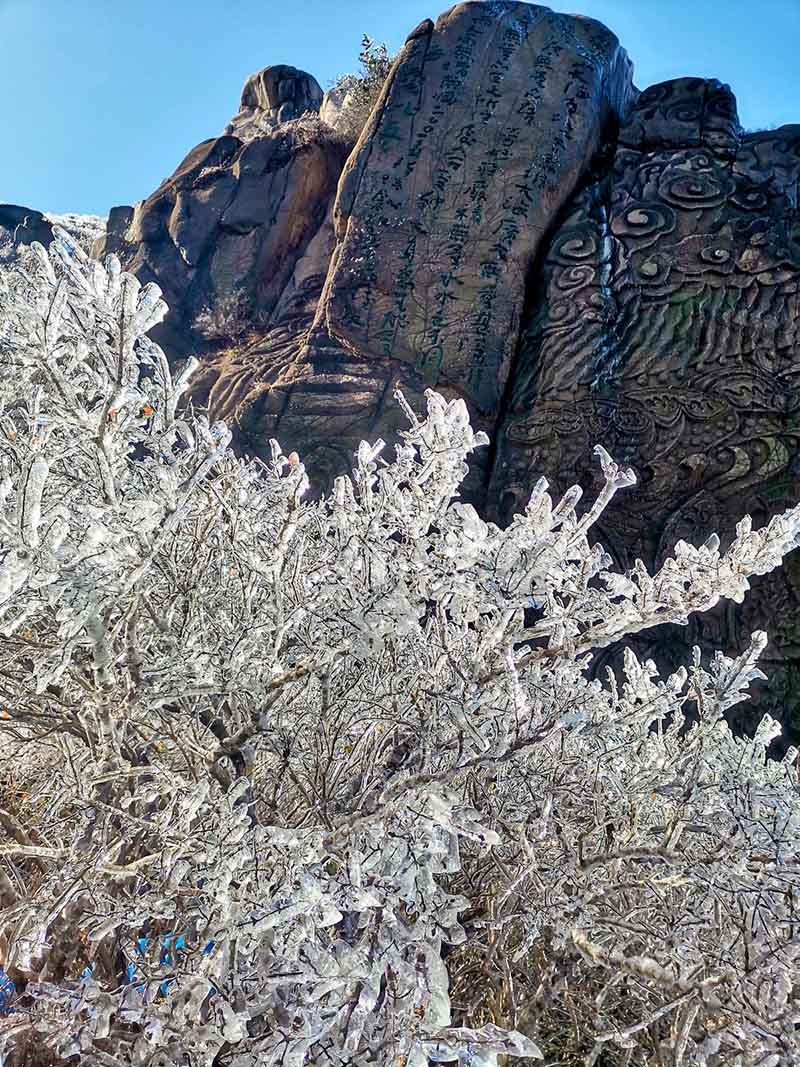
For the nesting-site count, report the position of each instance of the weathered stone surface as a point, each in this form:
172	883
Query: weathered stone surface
21	226
272	96
487	122
222	236
490	118
683	113
294	383
669	331
115	239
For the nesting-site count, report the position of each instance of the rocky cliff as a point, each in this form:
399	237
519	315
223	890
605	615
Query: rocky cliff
519	226
666	324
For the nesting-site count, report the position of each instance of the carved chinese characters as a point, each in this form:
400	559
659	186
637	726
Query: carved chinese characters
485	127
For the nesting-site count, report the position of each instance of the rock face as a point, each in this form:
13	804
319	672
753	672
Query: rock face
223	235
20	226
272	96
488	121
486	124
668	329
519	226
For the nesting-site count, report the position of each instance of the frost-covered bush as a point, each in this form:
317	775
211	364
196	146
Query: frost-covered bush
227	318
83	229
310	129
326	782
359	92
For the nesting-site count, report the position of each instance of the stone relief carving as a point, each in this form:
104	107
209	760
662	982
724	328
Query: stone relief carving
669	331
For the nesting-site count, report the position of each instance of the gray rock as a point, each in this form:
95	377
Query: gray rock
273	96
667	328
223	235
21	226
487	123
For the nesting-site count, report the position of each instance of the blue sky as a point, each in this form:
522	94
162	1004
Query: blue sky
101	99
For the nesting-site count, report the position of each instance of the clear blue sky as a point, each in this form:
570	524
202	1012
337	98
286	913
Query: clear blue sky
101	99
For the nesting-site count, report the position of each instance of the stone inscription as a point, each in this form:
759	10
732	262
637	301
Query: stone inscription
490	120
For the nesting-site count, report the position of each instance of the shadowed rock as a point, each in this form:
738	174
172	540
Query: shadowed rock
224	234
20	226
668	330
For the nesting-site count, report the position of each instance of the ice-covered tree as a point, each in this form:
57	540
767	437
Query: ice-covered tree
327	782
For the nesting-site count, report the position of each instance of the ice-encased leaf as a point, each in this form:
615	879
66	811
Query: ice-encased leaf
491	1039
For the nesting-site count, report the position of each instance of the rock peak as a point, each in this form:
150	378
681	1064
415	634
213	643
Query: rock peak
271	96
684	113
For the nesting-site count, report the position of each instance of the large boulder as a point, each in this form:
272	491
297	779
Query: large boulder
668	329
488	121
415	274
490	118
273	96
224	234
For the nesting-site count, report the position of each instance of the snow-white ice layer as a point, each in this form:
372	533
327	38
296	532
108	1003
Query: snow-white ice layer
461	845
84	228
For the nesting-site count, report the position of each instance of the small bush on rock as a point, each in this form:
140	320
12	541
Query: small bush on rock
227	319
361	91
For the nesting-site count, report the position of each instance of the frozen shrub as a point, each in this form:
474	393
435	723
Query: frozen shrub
84	229
331	784
226	319
360	91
